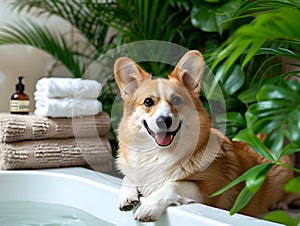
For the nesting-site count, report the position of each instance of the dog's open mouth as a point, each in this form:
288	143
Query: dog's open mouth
162	138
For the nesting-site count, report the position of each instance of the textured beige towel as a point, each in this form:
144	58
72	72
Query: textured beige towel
32	127
93	152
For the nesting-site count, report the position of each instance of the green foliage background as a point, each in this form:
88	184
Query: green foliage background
245	43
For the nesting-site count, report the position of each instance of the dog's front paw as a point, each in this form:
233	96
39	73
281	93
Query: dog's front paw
128	200
128	205
150	212
295	204
279	206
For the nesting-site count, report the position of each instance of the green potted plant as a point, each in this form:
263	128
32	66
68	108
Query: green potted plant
272	99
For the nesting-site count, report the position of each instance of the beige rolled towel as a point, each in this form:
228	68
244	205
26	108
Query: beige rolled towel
32	127
94	152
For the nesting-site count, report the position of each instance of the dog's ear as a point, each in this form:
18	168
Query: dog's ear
189	70
128	76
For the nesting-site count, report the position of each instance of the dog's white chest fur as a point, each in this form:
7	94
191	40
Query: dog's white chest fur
148	171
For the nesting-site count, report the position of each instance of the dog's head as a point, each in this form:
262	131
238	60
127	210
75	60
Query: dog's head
161	110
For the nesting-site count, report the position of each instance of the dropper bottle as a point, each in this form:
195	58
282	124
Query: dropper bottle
19	101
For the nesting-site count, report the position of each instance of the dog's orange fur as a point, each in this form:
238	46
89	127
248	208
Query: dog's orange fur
232	159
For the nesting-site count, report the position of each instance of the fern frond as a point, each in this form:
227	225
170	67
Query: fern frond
33	34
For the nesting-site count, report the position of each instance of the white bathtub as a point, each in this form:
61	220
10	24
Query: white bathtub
97	194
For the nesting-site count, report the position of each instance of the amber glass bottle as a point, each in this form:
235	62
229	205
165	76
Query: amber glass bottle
19	101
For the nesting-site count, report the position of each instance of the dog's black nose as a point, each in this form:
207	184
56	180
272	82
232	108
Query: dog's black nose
164	122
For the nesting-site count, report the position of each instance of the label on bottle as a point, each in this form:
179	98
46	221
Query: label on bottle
19	105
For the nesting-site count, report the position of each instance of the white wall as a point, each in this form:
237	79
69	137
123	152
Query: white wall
23	60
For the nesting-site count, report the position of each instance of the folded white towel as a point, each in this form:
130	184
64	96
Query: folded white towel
67	107
68	87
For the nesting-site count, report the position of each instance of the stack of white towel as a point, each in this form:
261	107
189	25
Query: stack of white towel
67	97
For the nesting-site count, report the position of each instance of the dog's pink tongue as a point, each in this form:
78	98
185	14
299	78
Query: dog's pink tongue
163	139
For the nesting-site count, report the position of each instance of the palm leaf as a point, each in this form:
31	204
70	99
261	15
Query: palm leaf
76	12
139	19
250	8
33	34
117	15
277	25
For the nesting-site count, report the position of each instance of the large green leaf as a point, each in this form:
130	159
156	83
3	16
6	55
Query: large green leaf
277	114
255	182
249	95
279	106
231	121
257	145
213	18
265	125
293	85
271	92
275	142
293	130
281	217
289	149
232	118
233	80
251	173
293	186
242	200
269	108
250	119
254	178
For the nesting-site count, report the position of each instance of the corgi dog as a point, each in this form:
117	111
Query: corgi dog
169	153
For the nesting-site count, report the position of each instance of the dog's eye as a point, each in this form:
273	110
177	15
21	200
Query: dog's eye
176	100
148	102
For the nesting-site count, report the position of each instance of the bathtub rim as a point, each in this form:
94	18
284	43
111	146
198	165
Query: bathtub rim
111	183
